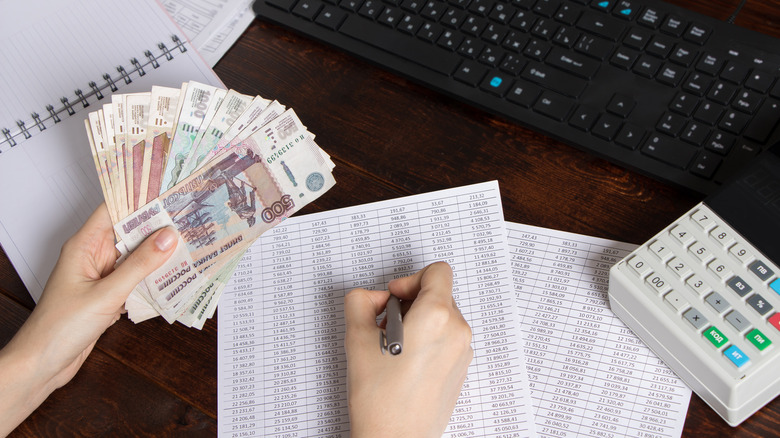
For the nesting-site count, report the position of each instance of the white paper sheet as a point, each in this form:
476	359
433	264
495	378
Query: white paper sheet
281	366
589	374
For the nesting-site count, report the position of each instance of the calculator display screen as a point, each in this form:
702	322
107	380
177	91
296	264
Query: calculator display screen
751	203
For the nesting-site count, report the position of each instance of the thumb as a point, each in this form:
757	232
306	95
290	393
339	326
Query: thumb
150	255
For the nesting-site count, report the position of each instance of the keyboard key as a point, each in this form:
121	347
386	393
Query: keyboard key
736	356
676	300
738	321
496	83
624	58
621	105
428	56
626	10
523	94
577	64
647	66
718	268
607	127
583	118
722	236
695	317
717	302
470	73
719	143
630	136
601	25
706	164
710	64
759	304
702	219
701	252
697	33
658	283
596	47
660	46
651	18
734	121
308	9
553	105
674	25
764	121
722	92
684	104
554	79
681	234
684	55
758	339
741	253
670	74
716	337
695	134
762	271
775	286
669	151
637	38
660	250
734	72
698	284
671	124
639	266
697	83
775	320
759	81
330	17
679	268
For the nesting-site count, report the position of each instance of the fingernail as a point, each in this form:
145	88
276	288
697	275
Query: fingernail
166	239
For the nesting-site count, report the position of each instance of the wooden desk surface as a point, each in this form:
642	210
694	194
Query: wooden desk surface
389	137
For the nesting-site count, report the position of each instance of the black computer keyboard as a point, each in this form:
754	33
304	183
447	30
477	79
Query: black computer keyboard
654	87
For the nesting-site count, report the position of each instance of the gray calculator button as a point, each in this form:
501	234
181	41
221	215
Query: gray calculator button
695	318
758	303
717	302
739	286
738	321
761	270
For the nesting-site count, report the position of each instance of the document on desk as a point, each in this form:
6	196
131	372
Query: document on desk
281	366
589	374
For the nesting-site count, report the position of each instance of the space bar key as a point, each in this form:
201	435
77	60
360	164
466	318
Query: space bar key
407	47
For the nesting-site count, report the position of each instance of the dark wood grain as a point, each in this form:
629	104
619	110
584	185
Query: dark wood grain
389	137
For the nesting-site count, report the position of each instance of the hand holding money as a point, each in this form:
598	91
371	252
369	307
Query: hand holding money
223	184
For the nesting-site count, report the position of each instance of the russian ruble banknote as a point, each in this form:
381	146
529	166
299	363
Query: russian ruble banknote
236	166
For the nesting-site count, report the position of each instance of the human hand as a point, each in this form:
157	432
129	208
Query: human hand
411	394
83	297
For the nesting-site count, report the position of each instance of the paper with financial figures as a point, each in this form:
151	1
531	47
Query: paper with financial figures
218	166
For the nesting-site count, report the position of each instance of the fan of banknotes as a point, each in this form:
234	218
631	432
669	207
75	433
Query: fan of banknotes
219	166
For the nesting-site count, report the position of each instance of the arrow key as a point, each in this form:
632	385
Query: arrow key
621	105
607	127
584	118
630	136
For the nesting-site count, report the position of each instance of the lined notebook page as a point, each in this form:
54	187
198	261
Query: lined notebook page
48	183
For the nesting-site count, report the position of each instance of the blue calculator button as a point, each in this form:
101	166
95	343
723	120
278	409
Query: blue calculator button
775	285
737	356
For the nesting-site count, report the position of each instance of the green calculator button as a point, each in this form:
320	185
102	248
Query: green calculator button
715	336
758	339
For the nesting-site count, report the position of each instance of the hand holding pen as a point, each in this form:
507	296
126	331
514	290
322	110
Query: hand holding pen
411	394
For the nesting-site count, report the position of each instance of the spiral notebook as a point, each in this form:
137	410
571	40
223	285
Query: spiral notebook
58	61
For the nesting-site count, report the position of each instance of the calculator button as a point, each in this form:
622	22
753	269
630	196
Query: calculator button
658	283
640	266
739	286
737	356
702	219
741	253
660	250
717	302
715	336
760	305
695	318
758	339
679	267
676	300
682	235
722	236
697	284
775	320
775	285
761	270
738	321
700	252
718	268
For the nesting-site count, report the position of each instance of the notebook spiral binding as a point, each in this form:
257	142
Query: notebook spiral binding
95	90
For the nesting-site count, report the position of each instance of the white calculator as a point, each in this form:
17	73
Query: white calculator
704	293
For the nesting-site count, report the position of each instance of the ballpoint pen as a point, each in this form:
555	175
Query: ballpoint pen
394	331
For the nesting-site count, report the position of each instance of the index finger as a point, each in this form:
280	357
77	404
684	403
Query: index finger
433	282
